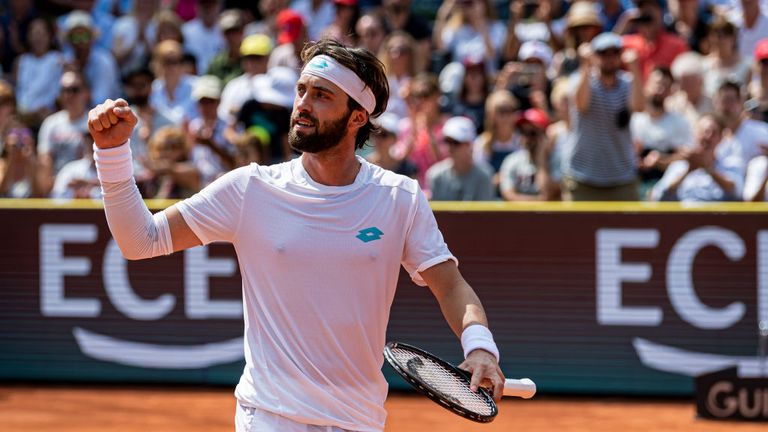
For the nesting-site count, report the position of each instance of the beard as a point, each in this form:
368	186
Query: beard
325	137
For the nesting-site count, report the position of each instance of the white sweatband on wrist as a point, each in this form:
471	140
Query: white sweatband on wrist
327	67
114	165
478	336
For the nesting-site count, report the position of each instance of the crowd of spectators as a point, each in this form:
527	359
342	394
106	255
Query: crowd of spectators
518	100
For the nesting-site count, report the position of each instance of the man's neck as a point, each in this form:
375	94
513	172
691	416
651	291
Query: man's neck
334	167
462	167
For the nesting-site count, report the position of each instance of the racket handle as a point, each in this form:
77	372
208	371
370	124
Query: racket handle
523	388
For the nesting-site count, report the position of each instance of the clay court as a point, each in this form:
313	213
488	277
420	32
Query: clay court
44	408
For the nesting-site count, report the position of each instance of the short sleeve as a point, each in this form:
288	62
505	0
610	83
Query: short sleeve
424	244
213	214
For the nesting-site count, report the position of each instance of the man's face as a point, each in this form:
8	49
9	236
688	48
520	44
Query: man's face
708	133
81	38
320	116
253	64
138	88
728	104
657	89
73	93
208	107
608	61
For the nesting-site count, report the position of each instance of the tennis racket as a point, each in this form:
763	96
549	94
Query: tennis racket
448	385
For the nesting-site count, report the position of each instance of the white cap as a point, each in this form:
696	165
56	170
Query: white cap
535	49
389	122
277	86
462	129
78	18
207	86
686	64
606	40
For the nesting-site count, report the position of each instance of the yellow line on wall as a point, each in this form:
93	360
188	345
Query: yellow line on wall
457	206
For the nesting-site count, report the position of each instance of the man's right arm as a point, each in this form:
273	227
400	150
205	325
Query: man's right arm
138	233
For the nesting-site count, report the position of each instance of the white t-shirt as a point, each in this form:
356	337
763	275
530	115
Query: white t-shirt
319	267
757	171
62	138
699	186
748	37
747	142
664	134
37	83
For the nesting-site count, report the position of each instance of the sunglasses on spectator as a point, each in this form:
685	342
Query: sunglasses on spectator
71	89
79	37
609	52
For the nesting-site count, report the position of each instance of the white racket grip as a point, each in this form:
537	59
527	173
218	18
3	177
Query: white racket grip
523	388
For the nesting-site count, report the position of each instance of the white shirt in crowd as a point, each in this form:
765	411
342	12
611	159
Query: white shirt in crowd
715	75
699	186
748	37
37	82
465	41
665	134
319	266
62	138
182	106
749	140
80	169
315	20
757	173
203	42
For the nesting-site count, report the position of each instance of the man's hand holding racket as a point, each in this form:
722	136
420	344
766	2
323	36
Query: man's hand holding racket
485	372
111	123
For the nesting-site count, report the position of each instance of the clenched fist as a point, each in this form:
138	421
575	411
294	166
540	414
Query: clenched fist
111	123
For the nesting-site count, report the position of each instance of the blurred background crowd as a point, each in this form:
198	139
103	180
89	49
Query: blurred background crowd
489	100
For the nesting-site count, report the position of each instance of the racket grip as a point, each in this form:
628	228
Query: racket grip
523	388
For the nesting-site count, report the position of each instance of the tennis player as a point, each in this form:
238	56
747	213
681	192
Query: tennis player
320	241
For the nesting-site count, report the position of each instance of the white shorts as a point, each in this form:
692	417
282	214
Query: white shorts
248	419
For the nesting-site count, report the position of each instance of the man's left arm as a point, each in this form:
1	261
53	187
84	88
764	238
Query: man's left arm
463	311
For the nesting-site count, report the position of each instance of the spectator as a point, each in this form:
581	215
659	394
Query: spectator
343	27
498	138
78	179
267	117
370	31
254	53
168	26
134	35
688	98
37	74
752	23
582	24
529	20
226	64
724	61
7	107
173	174
60	137
527	78
137	85
317	14
19	166
397	55
702	175
469	27
211	152
526	173
559	132
759	86
459	177
659	135
97	64
397	16
756	179
654	45
470	100
612	11
420	138
383	146
202	36
291	37
14	27
172	88
268	11
600	164
748	138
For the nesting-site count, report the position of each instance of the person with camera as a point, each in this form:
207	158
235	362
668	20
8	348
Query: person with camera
600	163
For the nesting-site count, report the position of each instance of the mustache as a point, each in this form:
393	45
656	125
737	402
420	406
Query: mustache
304	116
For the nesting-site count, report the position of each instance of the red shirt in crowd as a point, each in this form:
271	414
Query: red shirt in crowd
661	52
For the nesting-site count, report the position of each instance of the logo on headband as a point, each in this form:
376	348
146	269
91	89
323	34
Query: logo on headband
318	63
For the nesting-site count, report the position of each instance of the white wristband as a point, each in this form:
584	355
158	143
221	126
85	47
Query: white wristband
478	336
114	165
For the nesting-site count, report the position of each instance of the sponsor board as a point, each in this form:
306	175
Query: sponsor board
629	302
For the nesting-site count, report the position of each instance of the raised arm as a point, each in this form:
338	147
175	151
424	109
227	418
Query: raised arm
138	232
462	310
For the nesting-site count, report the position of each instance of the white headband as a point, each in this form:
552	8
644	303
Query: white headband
326	67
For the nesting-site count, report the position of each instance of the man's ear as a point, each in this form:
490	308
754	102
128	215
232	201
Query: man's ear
358	118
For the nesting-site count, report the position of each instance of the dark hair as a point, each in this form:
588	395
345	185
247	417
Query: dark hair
366	66
137	72
730	85
665	72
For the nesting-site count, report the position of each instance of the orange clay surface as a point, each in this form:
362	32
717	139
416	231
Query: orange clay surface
43	408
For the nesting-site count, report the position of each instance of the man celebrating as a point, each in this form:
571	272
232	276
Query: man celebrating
320	241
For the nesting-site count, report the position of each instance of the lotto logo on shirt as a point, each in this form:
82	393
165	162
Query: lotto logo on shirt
369	234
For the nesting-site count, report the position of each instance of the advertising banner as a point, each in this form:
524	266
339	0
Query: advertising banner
619	300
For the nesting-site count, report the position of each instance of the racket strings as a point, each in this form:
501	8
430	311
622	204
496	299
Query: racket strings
453	387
